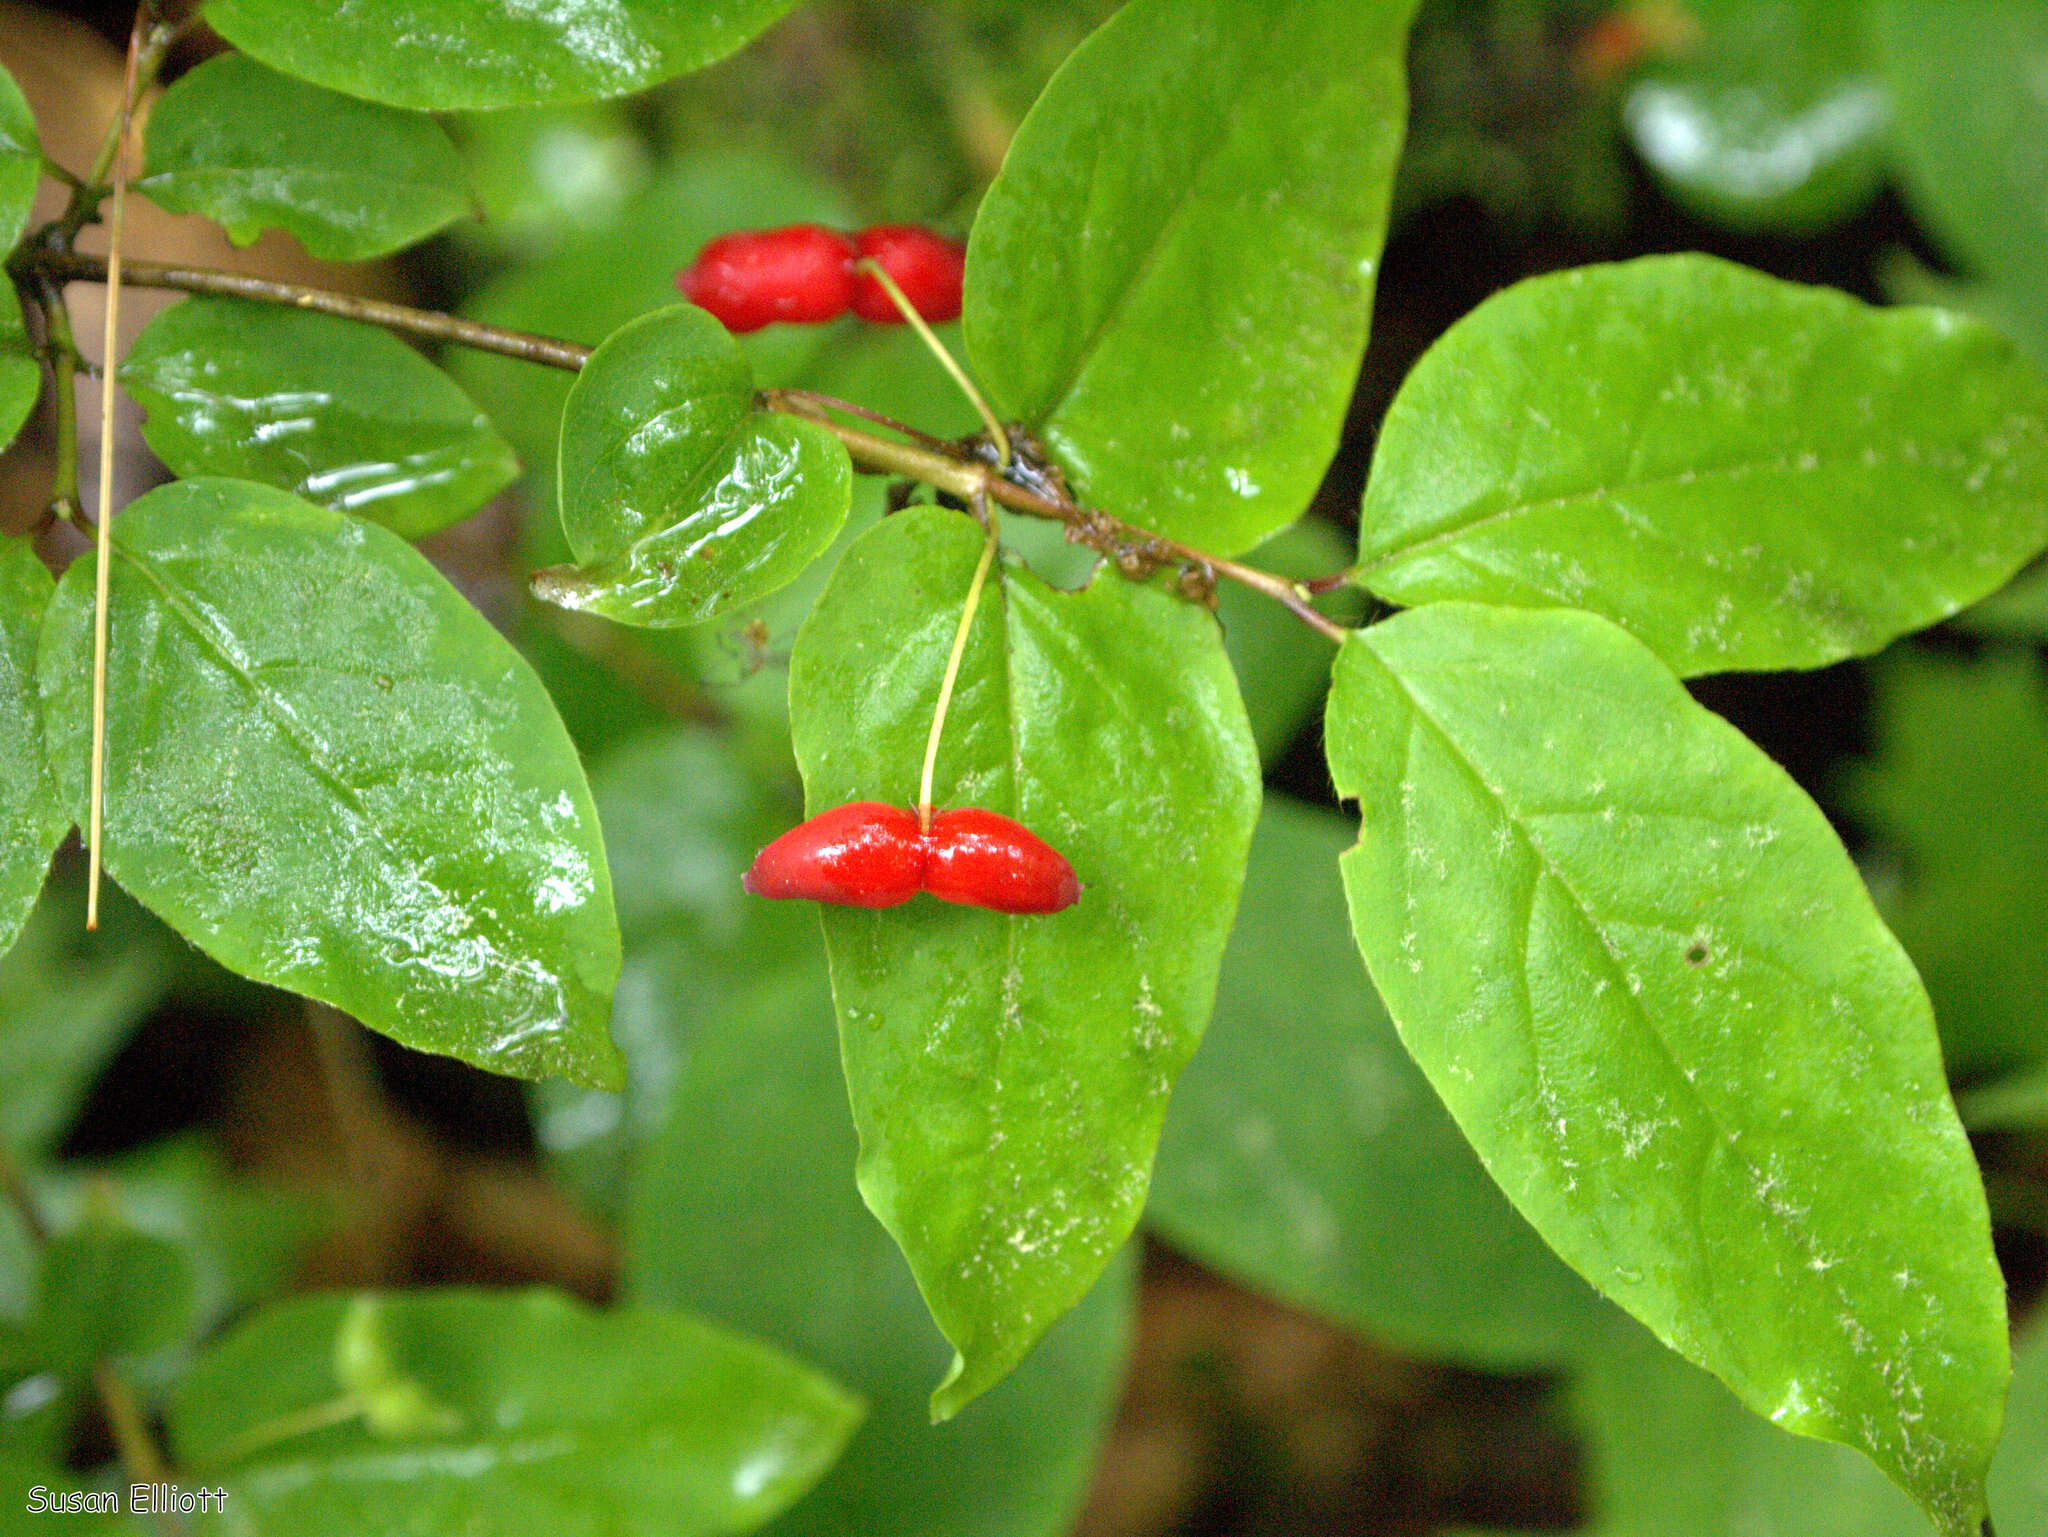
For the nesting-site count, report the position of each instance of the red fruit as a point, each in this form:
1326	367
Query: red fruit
802	273
927	267
863	854
984	860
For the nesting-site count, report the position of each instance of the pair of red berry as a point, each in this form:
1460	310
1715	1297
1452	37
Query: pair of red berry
866	854
807	273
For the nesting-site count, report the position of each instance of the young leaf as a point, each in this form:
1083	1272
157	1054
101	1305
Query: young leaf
1975	159
1306	1156
21	161
1769	119
743	1198
33	819
1009	1074
680	497
1172	277
254	150
339	413
330	773
537	1414
1960	789
1644	976
454	55
1741	472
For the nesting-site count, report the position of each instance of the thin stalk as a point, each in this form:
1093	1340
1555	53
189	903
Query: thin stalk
925	334
63	353
952	675
148	43
802	402
286	1427
926	460
76	267
103	541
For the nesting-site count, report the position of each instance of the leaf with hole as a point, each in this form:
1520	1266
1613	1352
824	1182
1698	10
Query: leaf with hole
1644	975
330	773
1009	1074
1743	473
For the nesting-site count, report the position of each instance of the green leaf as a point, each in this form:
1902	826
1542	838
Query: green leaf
680	497
1971	133
1185	331
107	1291
1306	1157
33	819
21	375
337	412
329	772
1741	472
21	162
599	282
558	1420
1282	666
744	1198
68	999
544	175
1669	1453
1645	977
2015	612
450	55
254	150
1959	789
1769	120
1008	1075
683	817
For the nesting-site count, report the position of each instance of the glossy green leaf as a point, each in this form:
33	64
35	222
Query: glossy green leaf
1768	118
21	375
1645	977
1305	1156
1008	1075
549	1419
21	161
107	1291
601	281
33	819
1971	133
1173	275
339	413
255	150
744	1198
1283	667
1670	1453
1743	473
68	999
329	772
680	497
448	55
1959	789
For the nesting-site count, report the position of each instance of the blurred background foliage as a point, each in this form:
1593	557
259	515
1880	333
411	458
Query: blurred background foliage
1334	1323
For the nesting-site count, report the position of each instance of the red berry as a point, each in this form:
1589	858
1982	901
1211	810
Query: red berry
802	273
864	854
984	860
927	267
